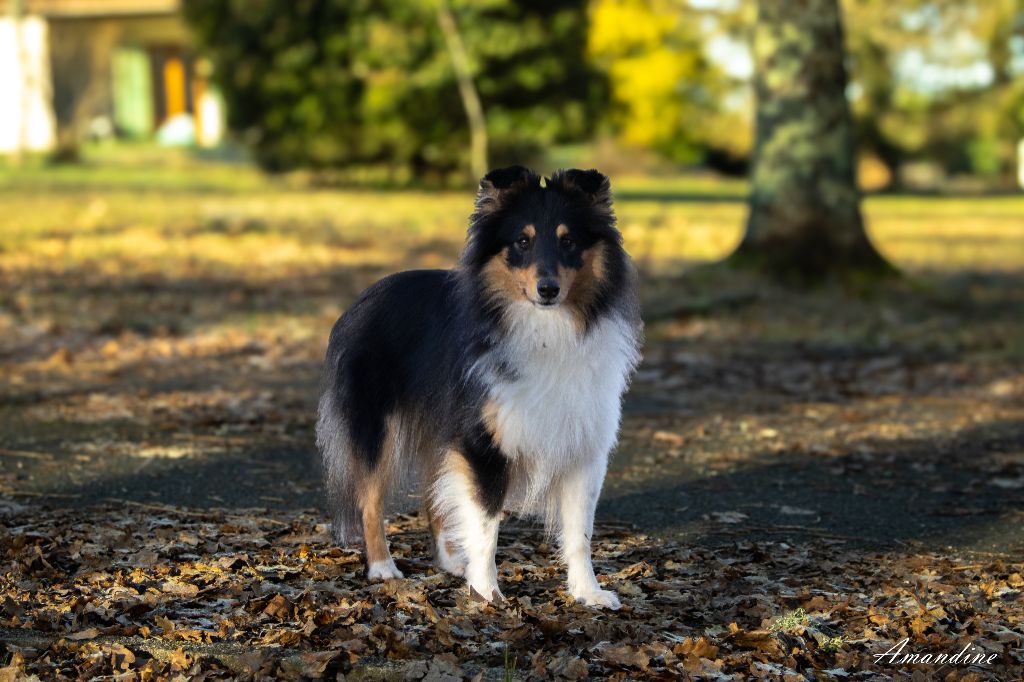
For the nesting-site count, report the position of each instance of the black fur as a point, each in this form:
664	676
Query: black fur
490	467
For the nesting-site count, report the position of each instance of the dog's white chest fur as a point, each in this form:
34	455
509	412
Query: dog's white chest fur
562	405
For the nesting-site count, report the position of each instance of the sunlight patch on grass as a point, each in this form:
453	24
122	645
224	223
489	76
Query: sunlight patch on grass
263	229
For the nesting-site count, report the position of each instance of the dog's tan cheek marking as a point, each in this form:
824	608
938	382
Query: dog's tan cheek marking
501	282
587	281
596	260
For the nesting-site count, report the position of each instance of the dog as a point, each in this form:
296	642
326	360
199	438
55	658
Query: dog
492	387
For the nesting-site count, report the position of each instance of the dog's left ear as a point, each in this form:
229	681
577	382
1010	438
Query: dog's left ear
498	186
592	184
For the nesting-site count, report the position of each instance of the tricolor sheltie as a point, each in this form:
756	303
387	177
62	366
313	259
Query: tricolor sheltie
495	387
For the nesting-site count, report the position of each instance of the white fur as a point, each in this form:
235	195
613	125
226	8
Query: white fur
474	531
383	570
561	412
557	419
452	562
577	499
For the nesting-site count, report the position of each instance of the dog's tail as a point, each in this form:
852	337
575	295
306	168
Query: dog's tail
340	470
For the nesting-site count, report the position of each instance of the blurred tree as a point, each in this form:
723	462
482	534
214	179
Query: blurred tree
467	90
370	84
666	94
805	217
937	80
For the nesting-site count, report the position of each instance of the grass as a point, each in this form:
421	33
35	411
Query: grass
155	241
169	213
789	621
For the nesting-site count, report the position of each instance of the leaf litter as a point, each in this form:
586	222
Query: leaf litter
123	592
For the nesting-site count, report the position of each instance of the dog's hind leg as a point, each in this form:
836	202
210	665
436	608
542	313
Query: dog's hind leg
356	489
379	563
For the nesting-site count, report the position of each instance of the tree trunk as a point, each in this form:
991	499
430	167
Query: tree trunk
805	219
467	91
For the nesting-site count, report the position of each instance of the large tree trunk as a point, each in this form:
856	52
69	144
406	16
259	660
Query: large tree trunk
805	219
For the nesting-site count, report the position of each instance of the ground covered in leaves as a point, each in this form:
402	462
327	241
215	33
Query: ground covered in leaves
804	478
145	593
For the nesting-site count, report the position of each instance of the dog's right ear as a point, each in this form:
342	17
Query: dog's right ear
501	184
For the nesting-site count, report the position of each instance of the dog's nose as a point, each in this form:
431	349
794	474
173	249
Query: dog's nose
548	289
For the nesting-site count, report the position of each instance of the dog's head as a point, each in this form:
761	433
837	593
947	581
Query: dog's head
552	244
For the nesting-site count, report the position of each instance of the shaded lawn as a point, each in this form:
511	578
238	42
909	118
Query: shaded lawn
161	344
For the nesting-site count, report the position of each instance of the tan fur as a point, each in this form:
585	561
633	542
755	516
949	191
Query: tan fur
530	231
373	524
584	284
373	494
561	231
505	284
489	417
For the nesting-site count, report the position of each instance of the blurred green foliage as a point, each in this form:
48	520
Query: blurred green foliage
368	86
369	83
940	81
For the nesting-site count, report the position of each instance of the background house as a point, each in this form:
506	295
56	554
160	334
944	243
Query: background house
99	68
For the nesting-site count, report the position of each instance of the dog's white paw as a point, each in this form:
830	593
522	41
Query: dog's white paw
602	599
383	570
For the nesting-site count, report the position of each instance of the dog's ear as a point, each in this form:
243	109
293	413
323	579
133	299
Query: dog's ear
499	185
592	184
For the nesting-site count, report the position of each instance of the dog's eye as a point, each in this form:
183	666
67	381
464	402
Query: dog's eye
523	242
567	243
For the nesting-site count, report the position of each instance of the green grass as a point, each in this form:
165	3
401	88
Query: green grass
146	210
789	621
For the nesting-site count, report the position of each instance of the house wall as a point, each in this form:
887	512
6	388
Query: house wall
83	56
83	61
79	73
26	118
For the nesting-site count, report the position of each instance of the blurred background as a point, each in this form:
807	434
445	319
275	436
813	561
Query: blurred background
379	92
192	192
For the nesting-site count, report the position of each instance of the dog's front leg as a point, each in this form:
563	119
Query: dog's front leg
481	540
577	502
469	498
